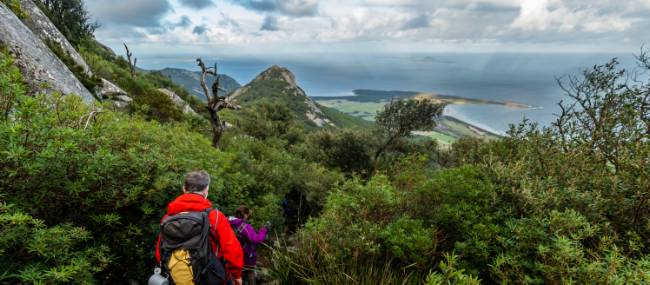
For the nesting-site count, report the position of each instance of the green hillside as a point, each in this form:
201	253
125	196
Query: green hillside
278	85
191	81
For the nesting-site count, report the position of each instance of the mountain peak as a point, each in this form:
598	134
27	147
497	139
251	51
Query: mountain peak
276	72
265	85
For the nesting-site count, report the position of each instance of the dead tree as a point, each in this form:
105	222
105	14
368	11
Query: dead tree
131	64
216	103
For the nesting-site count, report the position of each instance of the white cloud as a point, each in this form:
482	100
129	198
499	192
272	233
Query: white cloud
541	15
418	25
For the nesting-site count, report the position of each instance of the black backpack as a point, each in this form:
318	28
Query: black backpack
189	233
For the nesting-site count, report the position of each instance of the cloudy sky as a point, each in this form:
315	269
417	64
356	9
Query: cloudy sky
267	27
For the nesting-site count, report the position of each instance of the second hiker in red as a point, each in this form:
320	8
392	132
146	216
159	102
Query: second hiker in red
224	241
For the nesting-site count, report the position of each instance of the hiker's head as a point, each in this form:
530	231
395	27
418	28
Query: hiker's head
243	212
197	182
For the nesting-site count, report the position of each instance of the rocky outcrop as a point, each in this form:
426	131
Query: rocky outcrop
316	115
37	62
41	25
178	101
113	93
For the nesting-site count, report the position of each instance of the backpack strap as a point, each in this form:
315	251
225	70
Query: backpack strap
213	231
241	228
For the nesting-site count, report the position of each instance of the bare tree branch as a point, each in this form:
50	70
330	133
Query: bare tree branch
132	65
216	103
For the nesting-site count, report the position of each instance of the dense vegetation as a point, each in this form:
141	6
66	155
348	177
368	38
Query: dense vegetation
70	17
82	192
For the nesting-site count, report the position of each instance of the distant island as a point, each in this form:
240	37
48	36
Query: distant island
369	95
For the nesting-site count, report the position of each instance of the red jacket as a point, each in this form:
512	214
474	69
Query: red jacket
227	244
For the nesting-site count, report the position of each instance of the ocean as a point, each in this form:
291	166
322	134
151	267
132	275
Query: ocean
528	78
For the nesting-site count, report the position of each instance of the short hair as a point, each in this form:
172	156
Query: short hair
242	211
196	181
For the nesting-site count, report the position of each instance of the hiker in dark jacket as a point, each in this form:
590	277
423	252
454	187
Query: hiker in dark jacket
249	240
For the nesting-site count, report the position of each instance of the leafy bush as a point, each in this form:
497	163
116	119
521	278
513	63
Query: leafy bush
11	84
401	117
561	247
70	17
89	81
280	176
31	252
265	119
343	149
449	274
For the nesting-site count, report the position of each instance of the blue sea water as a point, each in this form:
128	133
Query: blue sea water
528	78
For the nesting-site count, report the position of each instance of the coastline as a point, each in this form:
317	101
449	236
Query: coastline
449	128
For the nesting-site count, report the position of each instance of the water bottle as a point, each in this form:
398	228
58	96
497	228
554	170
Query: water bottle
157	278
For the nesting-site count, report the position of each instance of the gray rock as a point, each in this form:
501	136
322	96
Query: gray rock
37	62
41	25
178	101
108	90
122	98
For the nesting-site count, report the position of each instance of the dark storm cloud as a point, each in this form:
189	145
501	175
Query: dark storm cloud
270	24
296	8
184	22
197	4
142	13
199	30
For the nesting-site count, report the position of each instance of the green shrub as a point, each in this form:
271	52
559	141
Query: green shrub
70	17
31	252
350	151
89	81
562	247
449	274
11	84
265	119
278	175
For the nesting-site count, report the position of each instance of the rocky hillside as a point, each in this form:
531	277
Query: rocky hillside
41	67
191	81
278	84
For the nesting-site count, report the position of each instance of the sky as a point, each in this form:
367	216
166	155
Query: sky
311	27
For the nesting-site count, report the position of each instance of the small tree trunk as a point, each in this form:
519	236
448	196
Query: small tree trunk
217	127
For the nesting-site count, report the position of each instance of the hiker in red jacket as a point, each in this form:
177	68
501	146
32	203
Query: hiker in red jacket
194	199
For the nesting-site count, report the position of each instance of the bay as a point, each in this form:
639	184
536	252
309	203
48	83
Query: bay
528	78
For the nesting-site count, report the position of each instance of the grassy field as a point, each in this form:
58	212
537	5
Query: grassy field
364	110
448	131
